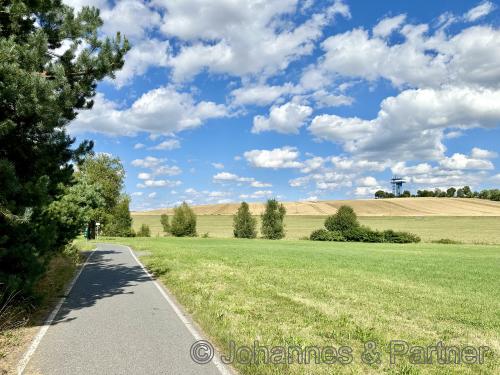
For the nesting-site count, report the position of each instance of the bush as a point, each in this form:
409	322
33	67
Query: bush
272	220
400	237
447	241
183	222
362	234
343	220
244	225
325	235
164	223
143	231
344	226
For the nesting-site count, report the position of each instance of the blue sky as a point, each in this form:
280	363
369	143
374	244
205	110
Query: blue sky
230	100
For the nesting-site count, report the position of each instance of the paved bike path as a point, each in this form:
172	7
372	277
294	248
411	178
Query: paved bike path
115	320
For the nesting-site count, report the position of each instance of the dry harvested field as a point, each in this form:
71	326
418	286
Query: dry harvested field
364	207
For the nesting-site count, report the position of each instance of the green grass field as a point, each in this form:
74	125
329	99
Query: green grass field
464	229
331	294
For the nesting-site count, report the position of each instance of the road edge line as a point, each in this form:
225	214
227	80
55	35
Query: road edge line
191	328
21	366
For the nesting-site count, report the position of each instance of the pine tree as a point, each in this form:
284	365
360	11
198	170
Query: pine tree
41	91
244	225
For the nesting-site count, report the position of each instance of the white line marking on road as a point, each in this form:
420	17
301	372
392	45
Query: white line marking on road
223	369
21	366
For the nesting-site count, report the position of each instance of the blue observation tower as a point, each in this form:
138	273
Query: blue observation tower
397	185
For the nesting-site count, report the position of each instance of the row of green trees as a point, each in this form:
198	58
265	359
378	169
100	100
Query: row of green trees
183	222
464	192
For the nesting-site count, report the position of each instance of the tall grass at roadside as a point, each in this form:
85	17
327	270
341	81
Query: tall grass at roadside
18	315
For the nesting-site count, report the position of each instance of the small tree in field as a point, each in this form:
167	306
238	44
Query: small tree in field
343	220
183	222
243	223
144	231
272	220
165	223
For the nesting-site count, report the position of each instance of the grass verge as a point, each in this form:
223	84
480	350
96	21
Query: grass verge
306	293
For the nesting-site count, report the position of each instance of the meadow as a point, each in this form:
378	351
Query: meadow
473	229
303	293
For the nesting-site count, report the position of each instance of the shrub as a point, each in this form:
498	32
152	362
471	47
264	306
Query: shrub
373	236
400	237
344	226
272	220
183	222
143	231
164	223
359	234
343	220
244	225
325	235
320	235
447	241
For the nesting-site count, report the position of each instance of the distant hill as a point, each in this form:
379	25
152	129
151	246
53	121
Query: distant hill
364	207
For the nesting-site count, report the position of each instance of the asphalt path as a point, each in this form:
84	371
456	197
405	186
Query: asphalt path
116	320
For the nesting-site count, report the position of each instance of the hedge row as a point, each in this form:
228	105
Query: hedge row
363	234
344	226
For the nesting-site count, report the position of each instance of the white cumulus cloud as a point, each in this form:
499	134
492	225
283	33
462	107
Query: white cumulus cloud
285	157
286	119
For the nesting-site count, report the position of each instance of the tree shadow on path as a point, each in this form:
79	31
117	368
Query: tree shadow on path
101	278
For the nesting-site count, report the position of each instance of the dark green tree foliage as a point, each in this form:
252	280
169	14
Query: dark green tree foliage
380	194
467	192
450	192
183	222
144	231
120	222
344	219
78	204
165	223
108	173
326	235
244	225
272	226
40	92
492	194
